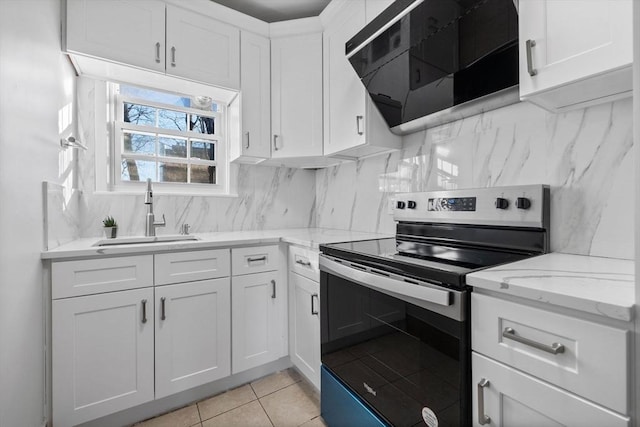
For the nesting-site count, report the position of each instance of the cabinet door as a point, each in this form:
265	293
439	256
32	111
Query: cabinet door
574	40
296	96
304	326
255	79
202	49
193	334
258	315
102	355
344	106
127	31
511	399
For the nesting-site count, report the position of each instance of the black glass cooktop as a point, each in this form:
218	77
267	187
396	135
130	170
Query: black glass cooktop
446	264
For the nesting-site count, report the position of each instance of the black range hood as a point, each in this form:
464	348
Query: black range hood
428	62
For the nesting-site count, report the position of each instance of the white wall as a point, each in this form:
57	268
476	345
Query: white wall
36	83
636	137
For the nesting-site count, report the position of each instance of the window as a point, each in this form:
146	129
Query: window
175	140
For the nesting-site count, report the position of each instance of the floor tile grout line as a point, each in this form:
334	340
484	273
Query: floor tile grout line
265	412
228	410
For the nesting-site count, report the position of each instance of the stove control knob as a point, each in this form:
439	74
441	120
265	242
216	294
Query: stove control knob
411	204
400	204
502	203
523	203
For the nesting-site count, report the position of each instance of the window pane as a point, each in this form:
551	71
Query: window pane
202	174
172	147
172	172
201	124
139	114
205	150
168	119
137	170
139	143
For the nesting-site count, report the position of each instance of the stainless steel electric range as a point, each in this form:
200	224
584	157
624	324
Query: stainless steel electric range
395	331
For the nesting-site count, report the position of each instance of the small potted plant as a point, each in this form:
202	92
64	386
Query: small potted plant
110	227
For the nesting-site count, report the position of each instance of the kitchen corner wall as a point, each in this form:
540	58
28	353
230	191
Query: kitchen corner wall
268	197
585	156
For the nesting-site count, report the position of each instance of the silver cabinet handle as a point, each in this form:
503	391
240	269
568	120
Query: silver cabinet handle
532	71
247	147
262	258
163	313
158	52
482	417
144	311
273	292
554	348
314	311
304	263
358	122
173	56
275	142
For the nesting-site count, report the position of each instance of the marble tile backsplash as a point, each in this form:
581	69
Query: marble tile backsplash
584	155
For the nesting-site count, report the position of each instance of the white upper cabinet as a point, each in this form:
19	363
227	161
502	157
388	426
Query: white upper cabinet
127	31
255	85
574	53
158	37
296	96
352	125
203	49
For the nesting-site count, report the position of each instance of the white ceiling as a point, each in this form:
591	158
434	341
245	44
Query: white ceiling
276	10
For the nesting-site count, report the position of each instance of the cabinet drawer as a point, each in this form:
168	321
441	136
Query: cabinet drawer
511	398
93	276
255	259
190	266
304	262
593	363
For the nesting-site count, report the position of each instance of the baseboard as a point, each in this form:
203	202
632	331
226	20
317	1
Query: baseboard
188	397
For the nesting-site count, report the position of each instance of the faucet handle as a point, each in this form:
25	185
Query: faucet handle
160	223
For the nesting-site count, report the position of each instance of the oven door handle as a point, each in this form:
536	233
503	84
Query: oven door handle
438	296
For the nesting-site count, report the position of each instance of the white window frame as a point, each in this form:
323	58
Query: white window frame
115	155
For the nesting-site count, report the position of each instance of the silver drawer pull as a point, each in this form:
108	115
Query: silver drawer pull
262	258
482	417
144	311
158	52
530	44
304	263
314	311
554	348
163	309
273	289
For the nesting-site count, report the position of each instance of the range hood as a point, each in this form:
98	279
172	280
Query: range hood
429	62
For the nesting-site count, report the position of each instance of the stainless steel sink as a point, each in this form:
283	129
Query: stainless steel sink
143	240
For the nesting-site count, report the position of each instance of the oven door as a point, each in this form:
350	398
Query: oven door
401	348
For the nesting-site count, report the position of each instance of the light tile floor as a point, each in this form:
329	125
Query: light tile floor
283	399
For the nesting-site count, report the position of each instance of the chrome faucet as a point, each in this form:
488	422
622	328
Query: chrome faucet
151	223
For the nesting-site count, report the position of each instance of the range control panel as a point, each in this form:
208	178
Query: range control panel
525	206
451	204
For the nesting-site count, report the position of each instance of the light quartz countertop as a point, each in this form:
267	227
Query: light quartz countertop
308	237
602	286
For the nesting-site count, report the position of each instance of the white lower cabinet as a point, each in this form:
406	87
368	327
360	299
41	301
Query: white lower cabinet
193	334
304	312
304	326
102	354
503	396
536	367
257	307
